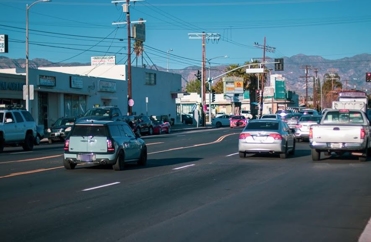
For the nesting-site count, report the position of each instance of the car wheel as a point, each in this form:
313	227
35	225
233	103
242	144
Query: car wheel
242	154
169	130
283	155
218	124
50	141
2	144
292	152
150	131
316	155
68	165
364	155
143	157
28	142
120	162
37	140
139	131
159	131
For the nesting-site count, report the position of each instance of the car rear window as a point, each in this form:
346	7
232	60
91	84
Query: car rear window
81	130
343	117
310	118
262	126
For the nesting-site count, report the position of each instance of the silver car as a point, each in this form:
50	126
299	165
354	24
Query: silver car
222	120
266	136
303	126
103	142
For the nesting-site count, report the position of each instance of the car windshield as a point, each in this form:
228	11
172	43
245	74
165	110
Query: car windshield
64	122
89	131
97	112
238	117
262	126
343	117
310	118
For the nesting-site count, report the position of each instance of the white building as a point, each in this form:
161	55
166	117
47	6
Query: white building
70	91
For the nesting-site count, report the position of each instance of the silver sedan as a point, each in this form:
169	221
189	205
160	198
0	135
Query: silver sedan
266	136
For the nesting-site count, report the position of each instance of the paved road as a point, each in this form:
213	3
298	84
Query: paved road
194	188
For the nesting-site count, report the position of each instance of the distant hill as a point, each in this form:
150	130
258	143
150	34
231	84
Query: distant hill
351	69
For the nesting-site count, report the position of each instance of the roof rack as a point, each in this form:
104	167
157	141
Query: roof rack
11	106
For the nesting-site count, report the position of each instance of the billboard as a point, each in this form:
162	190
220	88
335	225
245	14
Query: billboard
103	60
233	85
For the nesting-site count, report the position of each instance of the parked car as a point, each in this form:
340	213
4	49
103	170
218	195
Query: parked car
140	123
102	113
161	127
247	114
103	142
303	126
237	121
187	119
60	129
222	120
266	136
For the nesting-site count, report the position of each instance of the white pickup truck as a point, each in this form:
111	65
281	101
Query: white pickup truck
341	131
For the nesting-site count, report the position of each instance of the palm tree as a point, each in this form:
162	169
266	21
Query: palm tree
138	49
331	87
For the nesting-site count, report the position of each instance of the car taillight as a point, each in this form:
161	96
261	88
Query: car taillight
244	135
110	146
298	126
276	136
363	133
66	144
310	133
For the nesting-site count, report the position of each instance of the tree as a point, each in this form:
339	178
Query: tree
331	87
218	86
193	86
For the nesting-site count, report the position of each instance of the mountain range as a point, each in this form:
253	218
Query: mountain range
352	70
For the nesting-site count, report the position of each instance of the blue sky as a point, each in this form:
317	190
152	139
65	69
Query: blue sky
74	30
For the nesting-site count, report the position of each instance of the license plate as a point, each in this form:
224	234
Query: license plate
336	145
86	157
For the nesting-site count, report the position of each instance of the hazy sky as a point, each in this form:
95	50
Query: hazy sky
75	30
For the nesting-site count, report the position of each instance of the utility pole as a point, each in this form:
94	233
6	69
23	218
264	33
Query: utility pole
315	88
203	36
306	68
126	9
265	48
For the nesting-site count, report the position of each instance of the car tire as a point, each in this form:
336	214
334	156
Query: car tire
142	161
316	155
218	124
50	141
169	130
242	154
37	140
68	165
150	131
292	152
28	142
2	144
120	162
283	155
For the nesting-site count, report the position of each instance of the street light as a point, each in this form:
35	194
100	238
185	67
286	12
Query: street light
167	68
27	92
209	80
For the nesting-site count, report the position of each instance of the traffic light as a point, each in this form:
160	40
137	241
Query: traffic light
213	96
368	76
278	65
198	75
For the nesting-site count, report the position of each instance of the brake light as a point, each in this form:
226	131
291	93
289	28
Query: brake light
66	144
110	146
276	136
310	133
363	133
299	126
244	135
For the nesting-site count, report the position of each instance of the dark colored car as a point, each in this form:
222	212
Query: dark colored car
140	124
187	119
102	113
60	129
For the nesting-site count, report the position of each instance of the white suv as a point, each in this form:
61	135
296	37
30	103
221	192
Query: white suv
17	127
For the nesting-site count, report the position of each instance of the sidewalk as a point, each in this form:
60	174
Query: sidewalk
181	126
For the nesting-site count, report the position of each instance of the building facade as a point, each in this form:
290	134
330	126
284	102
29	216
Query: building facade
70	91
